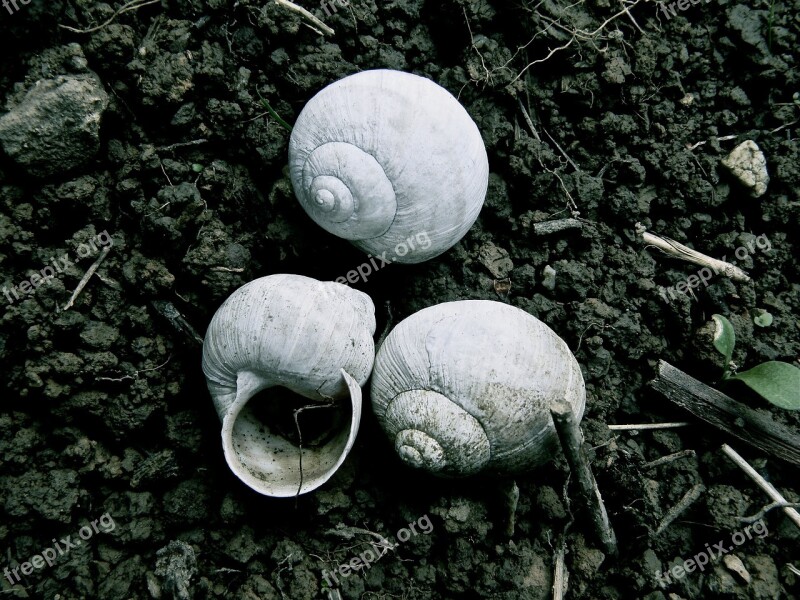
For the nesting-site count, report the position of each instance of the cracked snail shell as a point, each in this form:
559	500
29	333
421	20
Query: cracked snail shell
466	387
287	331
381	156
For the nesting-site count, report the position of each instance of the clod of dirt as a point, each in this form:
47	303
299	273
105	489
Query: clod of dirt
496	260
748	165
176	564
56	126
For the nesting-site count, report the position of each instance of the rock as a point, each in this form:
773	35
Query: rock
176	565
56	126
735	564
496	260
748	164
549	277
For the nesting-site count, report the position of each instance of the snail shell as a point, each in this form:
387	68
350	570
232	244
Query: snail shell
380	156
464	387
312	337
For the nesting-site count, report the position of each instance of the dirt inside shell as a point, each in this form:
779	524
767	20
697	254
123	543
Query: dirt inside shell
627	117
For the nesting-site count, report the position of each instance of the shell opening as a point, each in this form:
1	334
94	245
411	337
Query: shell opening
261	445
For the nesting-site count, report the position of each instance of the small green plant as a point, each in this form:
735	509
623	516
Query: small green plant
770	20
775	381
762	318
273	114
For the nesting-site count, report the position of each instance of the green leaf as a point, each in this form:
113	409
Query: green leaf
763	318
775	381
197	167
724	337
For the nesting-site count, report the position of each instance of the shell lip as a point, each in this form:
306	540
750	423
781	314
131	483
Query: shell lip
271	465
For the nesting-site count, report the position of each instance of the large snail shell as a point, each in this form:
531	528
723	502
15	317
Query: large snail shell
381	156
463	387
312	337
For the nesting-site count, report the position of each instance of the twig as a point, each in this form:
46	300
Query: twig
228	269
181	145
560	149
669	458
644	426
548	227
86	277
132	5
784	126
560	574
136	373
512	500
311	17
760	514
572	444
793	569
683	504
631	18
528	120
765	485
714	407
177	320
678	250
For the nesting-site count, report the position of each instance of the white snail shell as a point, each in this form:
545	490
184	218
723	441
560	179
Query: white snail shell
312	337
465	387
381	156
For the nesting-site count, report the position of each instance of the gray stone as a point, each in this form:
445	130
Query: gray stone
56	126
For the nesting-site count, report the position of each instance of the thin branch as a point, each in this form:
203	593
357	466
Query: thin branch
302	11
765	485
760	514
669	458
683	504
86	277
643	426
678	250
132	5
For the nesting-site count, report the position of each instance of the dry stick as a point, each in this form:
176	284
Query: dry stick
572	444
512	500
311	17
762	483
669	458
684	503
643	426
773	505
125	8
548	227
86	277
560	574
714	407
678	250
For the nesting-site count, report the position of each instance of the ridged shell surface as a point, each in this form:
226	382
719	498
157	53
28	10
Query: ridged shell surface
465	387
312	337
383	156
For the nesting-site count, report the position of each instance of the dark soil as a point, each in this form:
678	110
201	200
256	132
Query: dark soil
106	416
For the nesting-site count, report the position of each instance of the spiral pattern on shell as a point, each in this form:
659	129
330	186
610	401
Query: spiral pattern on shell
465	387
381	156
